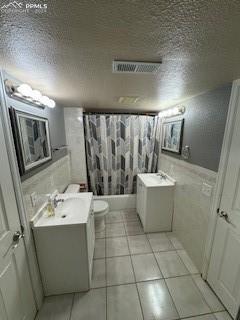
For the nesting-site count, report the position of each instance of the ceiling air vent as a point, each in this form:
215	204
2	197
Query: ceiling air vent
135	67
128	100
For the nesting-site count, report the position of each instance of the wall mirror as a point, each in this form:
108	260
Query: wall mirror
172	134
32	140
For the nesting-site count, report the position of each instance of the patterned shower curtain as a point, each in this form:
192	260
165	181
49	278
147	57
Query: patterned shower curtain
118	147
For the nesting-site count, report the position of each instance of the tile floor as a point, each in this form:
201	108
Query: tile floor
138	276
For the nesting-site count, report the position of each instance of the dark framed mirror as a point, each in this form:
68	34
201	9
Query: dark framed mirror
32	140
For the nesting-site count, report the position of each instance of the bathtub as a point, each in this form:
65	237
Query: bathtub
119	202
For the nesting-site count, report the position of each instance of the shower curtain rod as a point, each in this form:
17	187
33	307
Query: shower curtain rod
151	114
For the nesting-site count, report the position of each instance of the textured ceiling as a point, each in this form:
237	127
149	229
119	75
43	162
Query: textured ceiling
67	52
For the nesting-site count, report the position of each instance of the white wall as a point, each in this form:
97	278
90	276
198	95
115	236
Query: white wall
191	206
76	144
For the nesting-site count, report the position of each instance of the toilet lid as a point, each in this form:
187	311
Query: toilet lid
99	206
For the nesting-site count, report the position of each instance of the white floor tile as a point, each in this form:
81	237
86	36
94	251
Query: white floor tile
56	308
156	301
114	216
115	230
170	264
130	216
159	242
133	228
119	271
212	300
123	303
100	235
98	226
186	296
139	244
99	273
145	267
117	247
223	315
187	261
99	251
174	240
90	305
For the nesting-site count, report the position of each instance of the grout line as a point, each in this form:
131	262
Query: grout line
122	221
135	280
203	294
144	281
70	315
171	298
141	253
163	278
203	314
185	263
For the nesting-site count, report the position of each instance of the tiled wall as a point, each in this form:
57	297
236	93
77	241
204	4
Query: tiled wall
54	177
191	206
76	144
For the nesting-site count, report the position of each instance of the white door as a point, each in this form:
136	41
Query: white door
16	297
224	270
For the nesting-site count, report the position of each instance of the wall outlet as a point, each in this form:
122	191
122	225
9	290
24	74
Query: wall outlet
33	197
207	189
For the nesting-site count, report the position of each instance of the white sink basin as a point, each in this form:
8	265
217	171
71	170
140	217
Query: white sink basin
156	179
73	210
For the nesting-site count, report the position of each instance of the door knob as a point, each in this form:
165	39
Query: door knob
225	216
16	238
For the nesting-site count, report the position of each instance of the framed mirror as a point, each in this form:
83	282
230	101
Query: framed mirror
172	135
32	140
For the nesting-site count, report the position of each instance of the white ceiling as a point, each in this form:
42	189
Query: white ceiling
67	53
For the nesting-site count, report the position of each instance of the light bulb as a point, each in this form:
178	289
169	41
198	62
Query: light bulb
25	90
51	104
44	100
36	95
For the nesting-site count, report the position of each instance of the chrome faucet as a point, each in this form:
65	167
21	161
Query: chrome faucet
56	201
162	176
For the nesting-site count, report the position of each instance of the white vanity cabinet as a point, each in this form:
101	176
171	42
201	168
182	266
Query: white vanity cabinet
65	245
155	196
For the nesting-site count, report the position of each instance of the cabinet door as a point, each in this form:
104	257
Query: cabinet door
90	240
138	196
143	204
141	201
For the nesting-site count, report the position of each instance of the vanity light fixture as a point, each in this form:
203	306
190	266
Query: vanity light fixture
172	112
25	93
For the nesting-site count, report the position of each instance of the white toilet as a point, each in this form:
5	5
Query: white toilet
100	208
